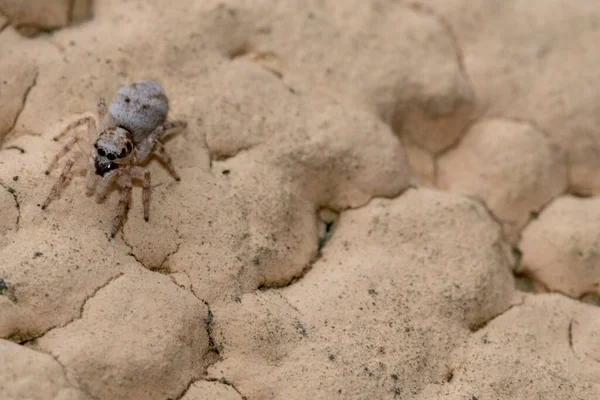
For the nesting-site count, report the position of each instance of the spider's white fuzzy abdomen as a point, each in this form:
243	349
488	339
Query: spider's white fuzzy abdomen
139	108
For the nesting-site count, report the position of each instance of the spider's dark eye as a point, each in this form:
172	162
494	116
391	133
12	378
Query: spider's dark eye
123	153
111	156
101	152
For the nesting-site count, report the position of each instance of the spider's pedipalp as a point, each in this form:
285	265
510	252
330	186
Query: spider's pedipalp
104	183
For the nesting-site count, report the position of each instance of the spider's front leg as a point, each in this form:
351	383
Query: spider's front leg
60	182
64	150
123	206
91	178
143	175
91	121
91	126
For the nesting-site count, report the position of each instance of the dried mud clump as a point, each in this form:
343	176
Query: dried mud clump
499	360
509	165
301	255
28	374
561	248
208	390
19	77
514	68
371	284
30	17
147	312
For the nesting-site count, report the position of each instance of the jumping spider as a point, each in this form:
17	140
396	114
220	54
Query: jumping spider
121	139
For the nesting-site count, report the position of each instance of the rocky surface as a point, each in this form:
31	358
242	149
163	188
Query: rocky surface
361	181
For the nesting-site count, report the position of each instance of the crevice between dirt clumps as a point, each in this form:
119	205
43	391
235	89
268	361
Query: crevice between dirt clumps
534	214
77	11
3	25
132	253
514	247
70	9
477	112
208	320
184	391
251	53
98	289
503	241
526	282
573	322
570	335
19	149
30	339
424	9
166	270
481	116
31	342
490	213
15	196
86	300
213	348
214	156
478	327
224	381
161	269
71	381
465	130
24	98
328	217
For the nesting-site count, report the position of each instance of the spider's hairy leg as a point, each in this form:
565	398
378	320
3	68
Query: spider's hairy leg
123	207
105	183
143	175
88	119
92	133
64	150
101	107
60	182
91	179
161	154
144	148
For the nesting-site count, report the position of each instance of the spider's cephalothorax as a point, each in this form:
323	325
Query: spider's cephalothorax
119	141
113	147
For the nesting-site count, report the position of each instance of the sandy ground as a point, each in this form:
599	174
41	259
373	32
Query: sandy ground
379	200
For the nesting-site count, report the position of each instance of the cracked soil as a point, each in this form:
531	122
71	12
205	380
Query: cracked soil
365	184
